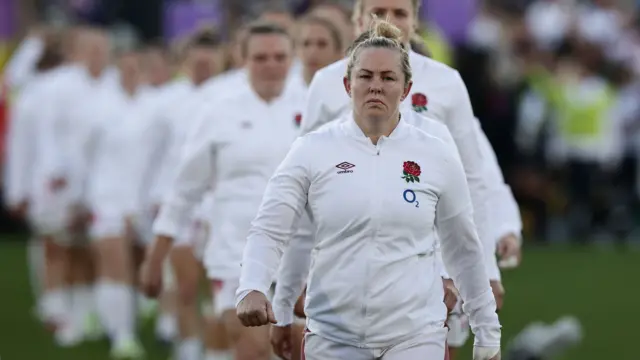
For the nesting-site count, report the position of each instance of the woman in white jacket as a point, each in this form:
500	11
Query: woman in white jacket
238	142
113	171
376	196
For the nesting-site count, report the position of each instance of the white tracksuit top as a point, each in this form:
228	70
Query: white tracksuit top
237	144
116	150
24	176
374	279
439	93
70	110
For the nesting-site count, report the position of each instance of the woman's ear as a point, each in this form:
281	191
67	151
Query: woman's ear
347	85
407	90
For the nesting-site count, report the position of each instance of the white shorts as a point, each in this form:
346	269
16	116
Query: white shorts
458	324
49	214
224	295
143	224
428	345
196	237
107	226
230	224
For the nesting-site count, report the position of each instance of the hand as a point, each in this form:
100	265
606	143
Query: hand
57	184
510	251
486	353
298	309
281	341
498	293
255	310
151	277
451	294
20	210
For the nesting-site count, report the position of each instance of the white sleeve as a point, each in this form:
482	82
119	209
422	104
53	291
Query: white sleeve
48	133
293	272
467	139
22	65
462	252
316	113
505	219
147	150
194	177
20	153
162	164
282	205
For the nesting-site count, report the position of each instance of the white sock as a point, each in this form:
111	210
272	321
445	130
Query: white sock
82	300
166	327
116	308
189	349
218	355
54	305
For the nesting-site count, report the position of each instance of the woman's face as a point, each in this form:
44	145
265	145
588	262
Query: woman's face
398	12
316	47
268	59
376	84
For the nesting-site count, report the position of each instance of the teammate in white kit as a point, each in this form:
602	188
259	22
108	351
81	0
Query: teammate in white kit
25	167
202	60
438	92
375	213
240	138
114	197
67	112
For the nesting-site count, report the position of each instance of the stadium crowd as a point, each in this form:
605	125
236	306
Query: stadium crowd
144	168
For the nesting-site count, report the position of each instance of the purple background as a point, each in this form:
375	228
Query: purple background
7	19
182	18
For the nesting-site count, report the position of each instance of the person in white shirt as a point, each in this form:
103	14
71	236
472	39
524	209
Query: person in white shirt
202	61
376	213
66	111
438	92
239	140
24	178
113	197
319	44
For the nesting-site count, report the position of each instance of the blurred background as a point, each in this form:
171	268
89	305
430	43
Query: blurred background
556	86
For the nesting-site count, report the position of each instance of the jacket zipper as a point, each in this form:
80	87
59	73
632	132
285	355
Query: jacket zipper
374	234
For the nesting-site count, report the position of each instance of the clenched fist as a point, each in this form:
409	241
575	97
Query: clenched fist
255	310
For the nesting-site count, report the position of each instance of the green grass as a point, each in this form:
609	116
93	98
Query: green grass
600	287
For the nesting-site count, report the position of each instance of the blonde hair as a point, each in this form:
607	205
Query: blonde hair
382	35
358	8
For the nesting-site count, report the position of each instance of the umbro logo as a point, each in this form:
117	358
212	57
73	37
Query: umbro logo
345	167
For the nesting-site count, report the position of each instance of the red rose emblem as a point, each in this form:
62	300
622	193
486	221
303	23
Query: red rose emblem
419	102
411	171
298	119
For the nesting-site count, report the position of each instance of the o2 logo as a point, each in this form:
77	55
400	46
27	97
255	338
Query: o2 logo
410	197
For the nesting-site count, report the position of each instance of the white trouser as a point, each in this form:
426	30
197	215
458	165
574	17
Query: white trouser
428	345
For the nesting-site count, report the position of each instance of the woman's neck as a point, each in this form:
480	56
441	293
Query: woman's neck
266	95
308	76
374	129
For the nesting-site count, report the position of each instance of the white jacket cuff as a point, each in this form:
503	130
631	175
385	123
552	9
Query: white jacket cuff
284	315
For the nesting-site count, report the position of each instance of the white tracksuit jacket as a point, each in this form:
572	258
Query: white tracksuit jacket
448	103
374	278
238	142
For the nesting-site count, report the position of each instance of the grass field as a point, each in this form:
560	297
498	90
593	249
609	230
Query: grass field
600	287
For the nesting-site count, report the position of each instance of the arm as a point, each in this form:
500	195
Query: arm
194	175
466	135
282	205
462	252
316	112
20	154
293	272
22	64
